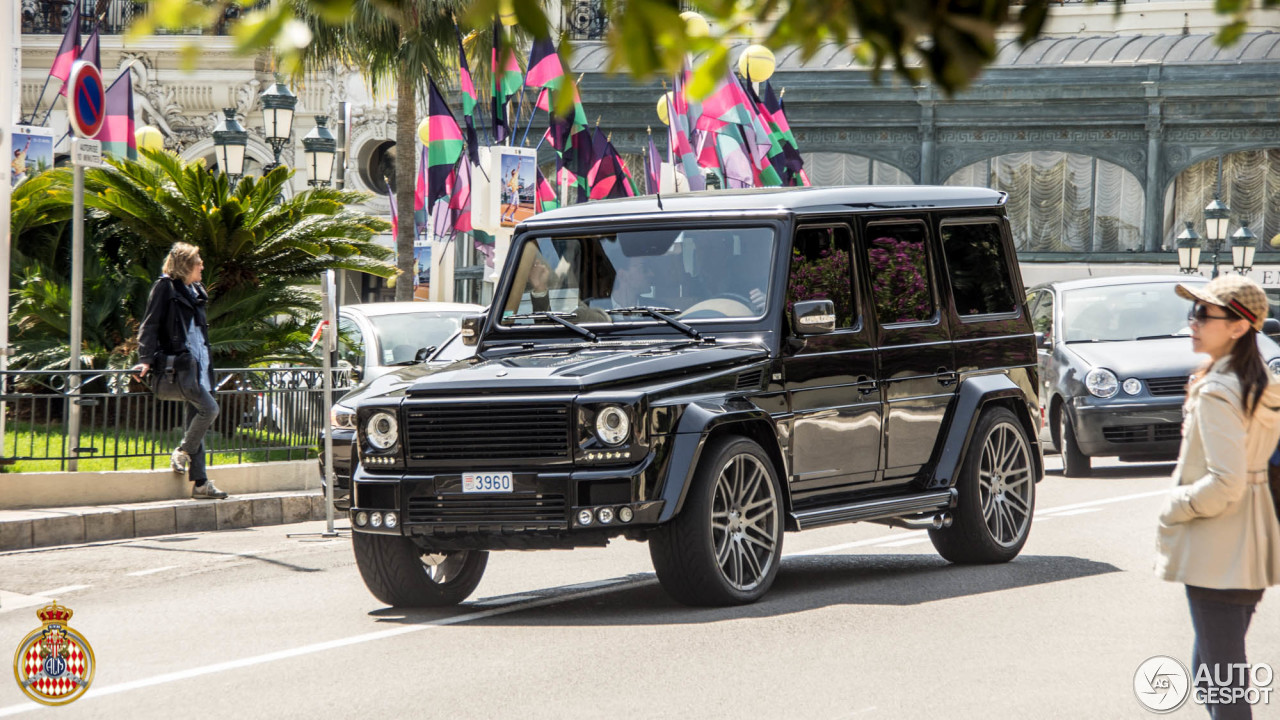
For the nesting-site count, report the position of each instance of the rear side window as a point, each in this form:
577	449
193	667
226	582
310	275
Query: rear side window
821	269
898	262
981	283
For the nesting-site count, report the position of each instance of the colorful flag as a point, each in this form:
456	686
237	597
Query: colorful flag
469	101
608	177
484	243
395	211
679	139
507	80
460	198
445	147
653	167
545	197
792	161
117	133
68	51
735	163
90	51
420	194
545	68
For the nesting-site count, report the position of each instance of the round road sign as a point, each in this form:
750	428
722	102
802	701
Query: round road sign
87	100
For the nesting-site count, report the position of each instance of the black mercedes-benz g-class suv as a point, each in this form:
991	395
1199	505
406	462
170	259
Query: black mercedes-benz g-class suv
704	371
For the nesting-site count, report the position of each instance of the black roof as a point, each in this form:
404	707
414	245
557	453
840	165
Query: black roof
1110	280
780	201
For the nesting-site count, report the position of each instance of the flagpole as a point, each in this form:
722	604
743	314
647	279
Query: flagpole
516	124
40	97
532	112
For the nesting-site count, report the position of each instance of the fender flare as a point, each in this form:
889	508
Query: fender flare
974	394
697	422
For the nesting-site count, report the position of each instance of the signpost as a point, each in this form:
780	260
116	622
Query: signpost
87	110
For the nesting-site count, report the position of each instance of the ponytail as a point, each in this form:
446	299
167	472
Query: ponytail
1246	362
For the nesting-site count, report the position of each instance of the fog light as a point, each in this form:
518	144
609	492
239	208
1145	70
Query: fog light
375	520
1132	386
584	517
362	518
605	515
625	514
391	520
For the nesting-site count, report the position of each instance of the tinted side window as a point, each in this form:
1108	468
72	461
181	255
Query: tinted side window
820	270
1042	316
898	262
350	342
980	280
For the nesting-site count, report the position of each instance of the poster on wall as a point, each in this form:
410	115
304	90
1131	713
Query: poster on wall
514	183
32	152
421	269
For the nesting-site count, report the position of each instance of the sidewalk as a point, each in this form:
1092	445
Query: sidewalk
23	529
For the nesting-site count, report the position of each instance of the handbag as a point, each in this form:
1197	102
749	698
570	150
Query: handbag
1273	479
171	376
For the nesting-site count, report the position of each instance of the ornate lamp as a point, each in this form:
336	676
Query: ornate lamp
278	103
148	138
1188	250
229	143
1216	216
320	147
756	63
1243	245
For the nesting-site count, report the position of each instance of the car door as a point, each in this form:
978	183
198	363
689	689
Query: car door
830	379
917	370
352	344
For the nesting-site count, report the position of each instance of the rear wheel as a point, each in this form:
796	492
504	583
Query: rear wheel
1074	462
725	545
401	574
997	495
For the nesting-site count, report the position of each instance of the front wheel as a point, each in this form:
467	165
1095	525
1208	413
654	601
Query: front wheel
997	495
401	574
725	545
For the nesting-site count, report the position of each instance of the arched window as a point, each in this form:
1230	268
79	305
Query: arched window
1250	187
829	169
1063	202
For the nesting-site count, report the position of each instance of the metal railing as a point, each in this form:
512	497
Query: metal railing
265	414
112	17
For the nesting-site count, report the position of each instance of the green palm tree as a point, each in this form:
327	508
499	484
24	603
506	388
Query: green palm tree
396	47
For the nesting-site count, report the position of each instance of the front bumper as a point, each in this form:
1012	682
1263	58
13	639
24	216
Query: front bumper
1128	428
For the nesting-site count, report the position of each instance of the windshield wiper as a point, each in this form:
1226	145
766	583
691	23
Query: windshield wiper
557	317
1157	337
658	313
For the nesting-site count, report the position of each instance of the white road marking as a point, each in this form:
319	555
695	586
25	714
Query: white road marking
1104	501
904	543
16	601
504	600
858	543
152	571
1077	511
62	590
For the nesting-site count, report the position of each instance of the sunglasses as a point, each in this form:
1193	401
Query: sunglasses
1200	314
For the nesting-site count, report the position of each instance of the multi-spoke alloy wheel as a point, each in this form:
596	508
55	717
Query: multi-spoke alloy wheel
398	572
997	486
725	544
744	522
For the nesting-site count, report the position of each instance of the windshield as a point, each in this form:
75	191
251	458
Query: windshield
453	350
400	336
1123	312
708	273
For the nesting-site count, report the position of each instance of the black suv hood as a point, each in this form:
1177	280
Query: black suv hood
589	366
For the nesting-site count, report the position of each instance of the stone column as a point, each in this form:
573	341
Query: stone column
1153	218
928	135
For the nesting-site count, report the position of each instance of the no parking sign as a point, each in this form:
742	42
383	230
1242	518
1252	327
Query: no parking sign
87	100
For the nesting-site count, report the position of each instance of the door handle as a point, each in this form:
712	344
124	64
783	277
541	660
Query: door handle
946	378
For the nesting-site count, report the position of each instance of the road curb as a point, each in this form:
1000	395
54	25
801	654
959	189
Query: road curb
51	527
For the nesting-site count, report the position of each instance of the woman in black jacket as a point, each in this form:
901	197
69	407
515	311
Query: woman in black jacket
174	323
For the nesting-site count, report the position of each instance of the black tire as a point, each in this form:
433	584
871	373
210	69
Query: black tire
712	552
1074	462
997	490
400	574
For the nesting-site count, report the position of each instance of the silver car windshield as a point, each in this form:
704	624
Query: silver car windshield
1123	312
702	274
401	335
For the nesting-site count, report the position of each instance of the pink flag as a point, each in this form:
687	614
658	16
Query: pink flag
68	51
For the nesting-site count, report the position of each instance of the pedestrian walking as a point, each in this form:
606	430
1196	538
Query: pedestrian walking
1218	533
175	322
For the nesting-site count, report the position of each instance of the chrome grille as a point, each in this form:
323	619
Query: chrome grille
486	431
1157	432
1167	386
528	510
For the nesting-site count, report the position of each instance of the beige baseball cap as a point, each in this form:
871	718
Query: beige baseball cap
1237	293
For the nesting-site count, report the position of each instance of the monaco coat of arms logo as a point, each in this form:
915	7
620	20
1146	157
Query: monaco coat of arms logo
54	663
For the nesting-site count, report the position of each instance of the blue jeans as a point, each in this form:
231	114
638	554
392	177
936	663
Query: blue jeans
1220	629
201	412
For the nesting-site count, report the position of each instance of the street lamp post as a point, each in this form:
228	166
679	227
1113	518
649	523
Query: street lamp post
229	143
1188	250
1215	227
278	104
1243	245
320	148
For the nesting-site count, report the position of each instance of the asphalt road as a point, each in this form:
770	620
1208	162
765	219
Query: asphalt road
863	622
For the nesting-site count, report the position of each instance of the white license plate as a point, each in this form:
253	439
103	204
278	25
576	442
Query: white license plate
494	482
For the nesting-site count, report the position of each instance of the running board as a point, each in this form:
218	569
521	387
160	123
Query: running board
877	509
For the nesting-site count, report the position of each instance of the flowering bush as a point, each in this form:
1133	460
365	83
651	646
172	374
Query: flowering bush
825	277
899	280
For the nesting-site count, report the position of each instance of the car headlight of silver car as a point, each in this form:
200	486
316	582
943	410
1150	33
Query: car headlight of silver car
1274	365
342	417
1101	382
613	425
382	430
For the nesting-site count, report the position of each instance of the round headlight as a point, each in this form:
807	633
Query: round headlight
1102	382
382	430
1274	366
585	517
612	425
605	515
362	518
341	416
1132	386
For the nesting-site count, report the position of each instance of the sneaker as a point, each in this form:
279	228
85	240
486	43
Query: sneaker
180	461
207	491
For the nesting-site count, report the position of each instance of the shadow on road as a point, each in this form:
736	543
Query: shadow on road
803	583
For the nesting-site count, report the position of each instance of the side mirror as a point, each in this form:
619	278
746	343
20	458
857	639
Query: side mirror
1271	327
471	327
423	353
357	372
813	317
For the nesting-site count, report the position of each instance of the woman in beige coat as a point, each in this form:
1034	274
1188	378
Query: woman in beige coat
1219	534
